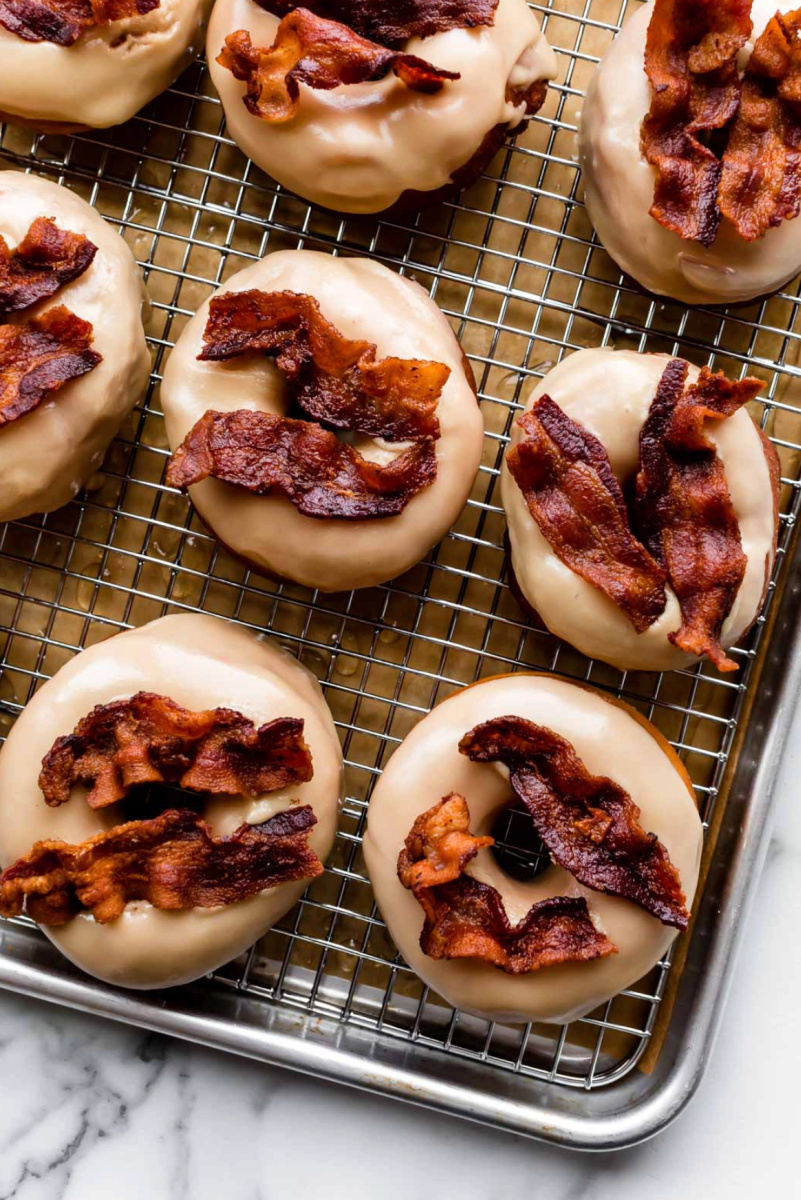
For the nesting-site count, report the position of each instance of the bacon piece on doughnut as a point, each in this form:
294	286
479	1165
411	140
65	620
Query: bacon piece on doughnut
323	55
320	475
467	919
173	861
39	357
45	260
393	22
564	474
63	21
691	61
682	503
332	378
151	739
589	823
761	181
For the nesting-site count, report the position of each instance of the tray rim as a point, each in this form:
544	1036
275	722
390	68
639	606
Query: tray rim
280	1034
753	781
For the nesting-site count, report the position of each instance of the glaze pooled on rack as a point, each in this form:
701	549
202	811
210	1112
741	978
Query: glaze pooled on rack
154	888
338	114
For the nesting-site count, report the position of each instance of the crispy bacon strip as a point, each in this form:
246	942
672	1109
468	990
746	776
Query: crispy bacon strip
564	474
332	378
467	919
151	739
761	181
589	823
63	21
393	22
172	861
323	55
690	59
39	357
45	260
320	475
683	507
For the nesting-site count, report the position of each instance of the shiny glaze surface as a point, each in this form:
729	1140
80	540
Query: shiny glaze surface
357	148
609	392
49	454
108	74
428	766
364	300
619	188
200	662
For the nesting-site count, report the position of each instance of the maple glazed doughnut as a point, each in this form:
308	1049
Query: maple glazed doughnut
67	65
699	201
642	509
73	355
192	701
358	107
607	796
359	352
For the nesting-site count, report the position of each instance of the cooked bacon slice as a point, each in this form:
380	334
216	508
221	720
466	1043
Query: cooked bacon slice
690	59
45	260
393	22
564	474
683	507
467	919
323	55
589	823
39	357
63	21
151	739
320	475
173	861
761	182
332	378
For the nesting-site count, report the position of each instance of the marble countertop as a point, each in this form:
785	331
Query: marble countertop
96	1111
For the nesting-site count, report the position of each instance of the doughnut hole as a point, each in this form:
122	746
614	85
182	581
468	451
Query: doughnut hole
519	851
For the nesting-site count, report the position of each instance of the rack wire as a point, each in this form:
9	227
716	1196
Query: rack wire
515	266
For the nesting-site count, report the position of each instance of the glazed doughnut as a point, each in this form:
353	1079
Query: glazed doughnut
72	346
200	663
362	530
367	146
612	397
67	72
619	183
554	948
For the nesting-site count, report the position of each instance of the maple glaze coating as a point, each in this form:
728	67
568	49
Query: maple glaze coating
365	301
611	741
200	662
108	74
47	455
619	189
358	148
610	392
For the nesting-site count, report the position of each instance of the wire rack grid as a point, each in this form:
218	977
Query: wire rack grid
515	266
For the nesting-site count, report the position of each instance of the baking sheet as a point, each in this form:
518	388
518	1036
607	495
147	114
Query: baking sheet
515	266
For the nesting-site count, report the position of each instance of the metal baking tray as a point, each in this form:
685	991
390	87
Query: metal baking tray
515	266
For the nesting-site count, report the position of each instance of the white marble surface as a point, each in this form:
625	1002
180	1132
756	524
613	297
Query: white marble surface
95	1111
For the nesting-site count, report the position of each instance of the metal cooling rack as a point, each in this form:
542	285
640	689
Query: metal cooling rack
516	267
